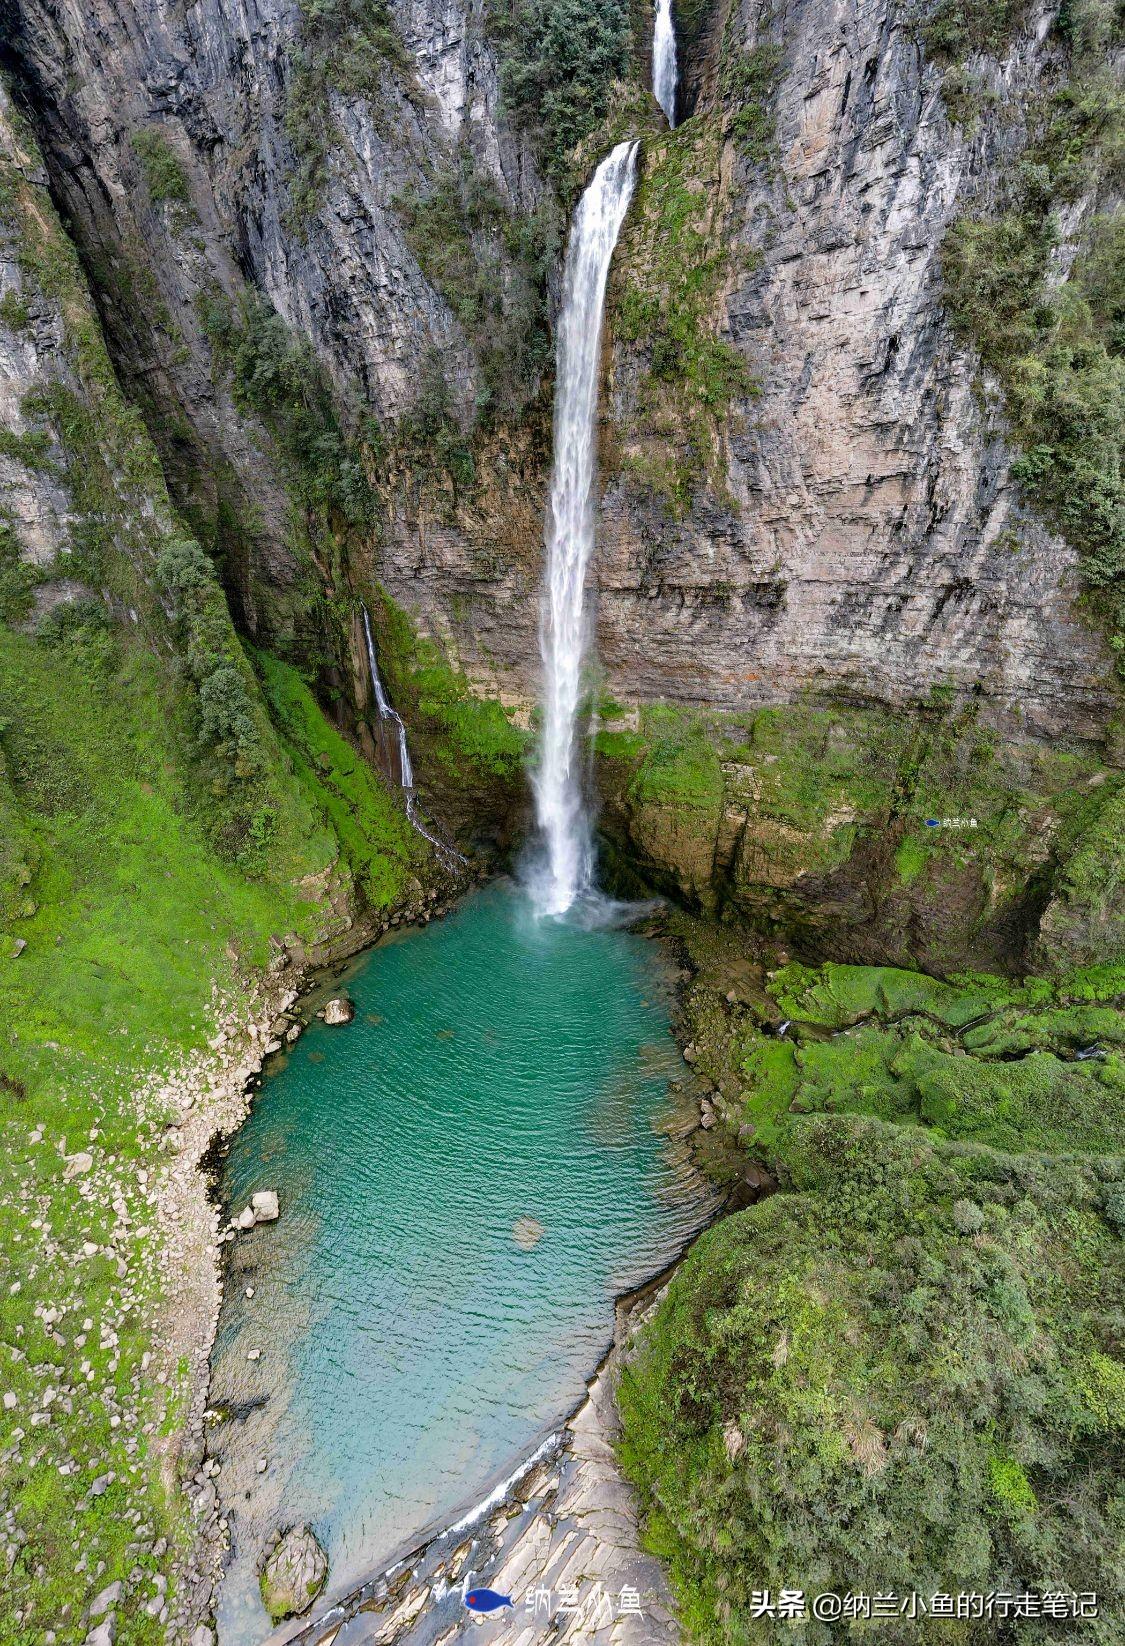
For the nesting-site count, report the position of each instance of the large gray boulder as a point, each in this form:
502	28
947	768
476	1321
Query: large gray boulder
294	1573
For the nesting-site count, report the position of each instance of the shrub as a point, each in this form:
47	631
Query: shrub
165	177
560	59
492	268
276	375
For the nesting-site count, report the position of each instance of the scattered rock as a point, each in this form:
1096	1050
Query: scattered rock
202	1636
527	1232
18	947
105	1634
294	1573
253	1354
245	1218
77	1165
264	1205
103	1602
690	1053
338	1011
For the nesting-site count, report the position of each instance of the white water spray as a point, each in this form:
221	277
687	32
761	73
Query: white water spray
664	59
405	769
560	813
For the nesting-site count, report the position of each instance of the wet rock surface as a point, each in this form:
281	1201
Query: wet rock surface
294	1573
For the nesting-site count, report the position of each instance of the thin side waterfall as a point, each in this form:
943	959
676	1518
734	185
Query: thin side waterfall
406	770
566	868
664	60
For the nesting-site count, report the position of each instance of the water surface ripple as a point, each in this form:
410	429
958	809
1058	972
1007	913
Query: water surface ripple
498	1069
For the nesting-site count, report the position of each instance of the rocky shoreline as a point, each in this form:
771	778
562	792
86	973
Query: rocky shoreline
561	1538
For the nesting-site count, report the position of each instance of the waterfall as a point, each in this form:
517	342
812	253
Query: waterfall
664	59
567	868
406	770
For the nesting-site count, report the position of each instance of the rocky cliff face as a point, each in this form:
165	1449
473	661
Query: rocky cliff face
808	503
861	535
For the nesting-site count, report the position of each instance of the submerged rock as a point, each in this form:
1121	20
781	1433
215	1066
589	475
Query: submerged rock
294	1573
527	1232
339	1010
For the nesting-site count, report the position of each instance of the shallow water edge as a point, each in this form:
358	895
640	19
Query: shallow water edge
519	1536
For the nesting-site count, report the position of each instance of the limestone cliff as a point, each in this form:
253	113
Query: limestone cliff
809	507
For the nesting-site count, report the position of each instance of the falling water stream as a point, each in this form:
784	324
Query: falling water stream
389	715
664	59
564	869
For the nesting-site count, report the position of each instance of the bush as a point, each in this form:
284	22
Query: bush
276	375
228	717
1058	352
492	270
845	1391
747	82
560	59
165	177
346	44
18	577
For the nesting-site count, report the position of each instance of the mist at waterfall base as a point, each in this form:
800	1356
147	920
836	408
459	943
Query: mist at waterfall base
560	869
503	1075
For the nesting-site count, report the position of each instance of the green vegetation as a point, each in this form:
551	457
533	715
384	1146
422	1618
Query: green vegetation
164	174
119	923
491	267
277	377
159	834
18	577
672	264
904	1371
747	81
374	835
958	28
466	735
783	813
560	63
348	46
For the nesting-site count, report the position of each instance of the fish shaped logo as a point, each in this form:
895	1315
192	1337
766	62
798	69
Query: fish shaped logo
485	1600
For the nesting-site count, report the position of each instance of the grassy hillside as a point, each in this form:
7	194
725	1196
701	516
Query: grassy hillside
906	1369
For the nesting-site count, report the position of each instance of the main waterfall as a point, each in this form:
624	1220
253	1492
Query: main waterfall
664	59
566	867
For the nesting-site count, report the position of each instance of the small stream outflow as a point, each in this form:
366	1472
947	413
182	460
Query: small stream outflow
664	72
388	714
565	869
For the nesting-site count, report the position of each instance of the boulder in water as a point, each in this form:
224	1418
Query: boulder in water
264	1205
294	1573
339	1010
527	1232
